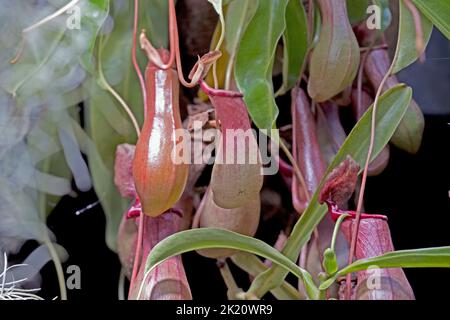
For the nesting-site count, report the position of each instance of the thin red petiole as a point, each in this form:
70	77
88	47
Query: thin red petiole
137	254
144	97
176	47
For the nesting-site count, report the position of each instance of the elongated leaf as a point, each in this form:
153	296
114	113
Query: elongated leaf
391	109
416	258
205	238
254	62
48	155
239	14
406	52
295	39
57	166
101	153
438	11
50	184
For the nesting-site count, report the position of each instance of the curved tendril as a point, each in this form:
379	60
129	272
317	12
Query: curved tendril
219	44
203	64
176	47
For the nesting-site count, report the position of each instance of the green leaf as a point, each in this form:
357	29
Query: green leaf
438	11
356	10
206	238
391	109
238	16
406	52
100	147
255	58
295	39
417	258
98	9
239	13
49	157
155	21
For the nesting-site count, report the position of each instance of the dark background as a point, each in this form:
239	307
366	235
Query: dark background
412	191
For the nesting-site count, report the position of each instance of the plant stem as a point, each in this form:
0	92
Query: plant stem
297	171
364	179
137	254
58	268
336	229
228	278
219	44
121	286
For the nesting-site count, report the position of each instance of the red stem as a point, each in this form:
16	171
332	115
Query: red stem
144	97
138	252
